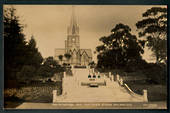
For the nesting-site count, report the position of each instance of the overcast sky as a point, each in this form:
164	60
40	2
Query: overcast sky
48	23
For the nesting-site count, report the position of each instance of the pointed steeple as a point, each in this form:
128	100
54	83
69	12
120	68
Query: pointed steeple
73	28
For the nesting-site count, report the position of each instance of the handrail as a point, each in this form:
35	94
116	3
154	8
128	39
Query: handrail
132	93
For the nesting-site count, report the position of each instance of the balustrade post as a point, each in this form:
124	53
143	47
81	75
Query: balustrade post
112	77
64	74
121	81
145	95
54	95
98	73
109	74
117	77
104	76
92	70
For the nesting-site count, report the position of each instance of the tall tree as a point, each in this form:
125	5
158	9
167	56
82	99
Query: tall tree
153	28
119	48
14	43
33	53
22	58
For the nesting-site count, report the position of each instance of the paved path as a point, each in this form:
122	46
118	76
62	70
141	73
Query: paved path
112	92
114	105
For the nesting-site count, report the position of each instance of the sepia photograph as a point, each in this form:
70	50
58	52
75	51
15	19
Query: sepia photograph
85	56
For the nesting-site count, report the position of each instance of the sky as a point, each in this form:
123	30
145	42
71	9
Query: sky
48	24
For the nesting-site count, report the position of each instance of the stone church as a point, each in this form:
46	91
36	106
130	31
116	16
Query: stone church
72	46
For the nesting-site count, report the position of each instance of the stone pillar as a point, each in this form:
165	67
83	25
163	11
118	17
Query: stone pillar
92	70
110	74
104	76
145	95
121	81
64	74
72	67
112	77
64	84
54	96
117	77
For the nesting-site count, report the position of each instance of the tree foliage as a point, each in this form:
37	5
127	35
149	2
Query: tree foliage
119	48
92	64
67	56
154	28
49	68
27	73
33	53
14	43
21	56
60	57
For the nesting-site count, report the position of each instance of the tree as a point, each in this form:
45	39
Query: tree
154	29
14	44
119	49
21	57
92	64
67	56
26	74
49	68
33	53
60	57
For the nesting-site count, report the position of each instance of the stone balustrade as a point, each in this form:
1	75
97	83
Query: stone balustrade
120	81
112	78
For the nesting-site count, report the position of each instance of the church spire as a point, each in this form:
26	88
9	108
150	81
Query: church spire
73	17
73	28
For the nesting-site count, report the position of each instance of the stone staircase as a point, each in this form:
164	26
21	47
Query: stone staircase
112	92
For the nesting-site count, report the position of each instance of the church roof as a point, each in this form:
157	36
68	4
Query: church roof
86	51
61	51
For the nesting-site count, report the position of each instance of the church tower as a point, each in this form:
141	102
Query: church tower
72	42
72	46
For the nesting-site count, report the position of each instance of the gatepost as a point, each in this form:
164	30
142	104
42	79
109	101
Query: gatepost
121	81
72	66
64	84
104	76
54	95
64	74
112	77
98	73
109	74
145	95
92	70
73	71
117	77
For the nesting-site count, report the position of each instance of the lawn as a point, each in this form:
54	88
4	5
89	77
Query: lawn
39	92
156	92
138	81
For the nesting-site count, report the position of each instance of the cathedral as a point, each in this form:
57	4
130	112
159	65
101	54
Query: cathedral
79	57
